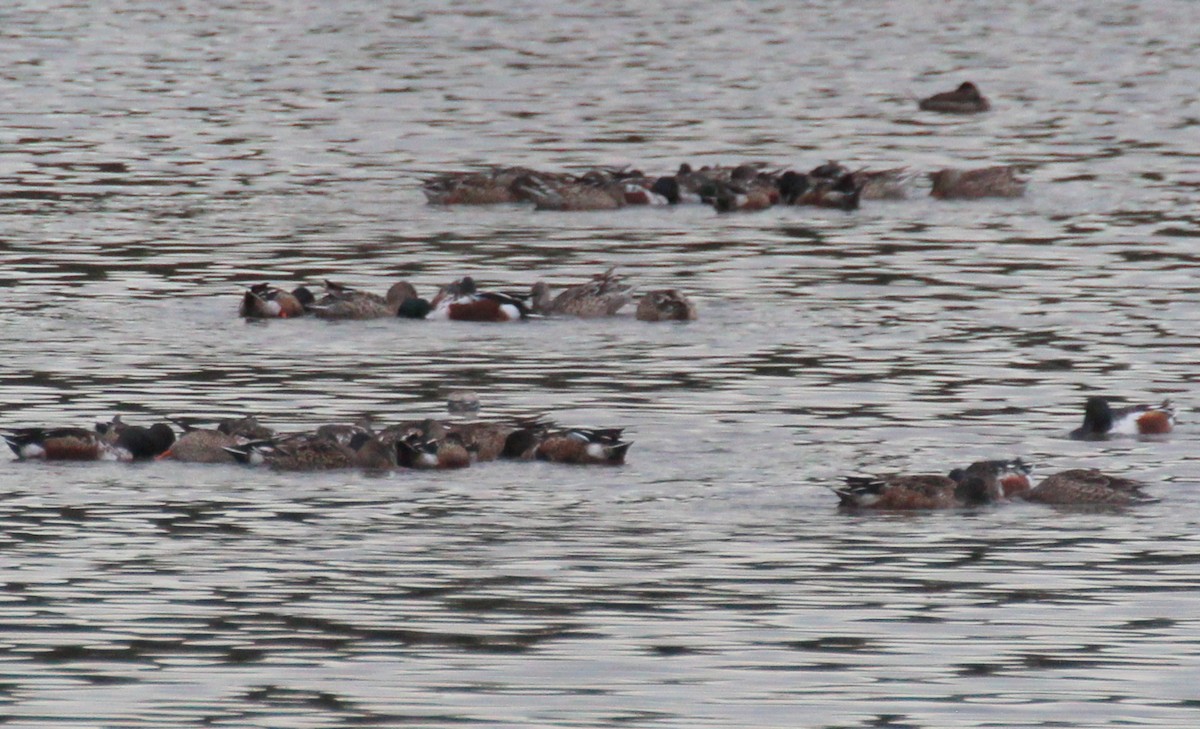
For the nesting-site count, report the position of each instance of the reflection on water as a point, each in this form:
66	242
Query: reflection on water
161	160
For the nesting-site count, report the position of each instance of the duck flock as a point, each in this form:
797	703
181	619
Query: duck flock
458	442
462	300
748	186
422	444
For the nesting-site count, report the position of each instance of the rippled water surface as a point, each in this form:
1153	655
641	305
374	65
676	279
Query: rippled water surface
157	158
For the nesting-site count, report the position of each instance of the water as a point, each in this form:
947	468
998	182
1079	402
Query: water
155	160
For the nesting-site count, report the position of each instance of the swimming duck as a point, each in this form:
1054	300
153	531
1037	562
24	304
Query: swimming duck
604	295
264	301
447	452
594	190
828	186
665	305
343	302
246	428
201	445
1088	486
1004	479
580	446
461	301
965	99
999	181
488	187
1100	420
312	452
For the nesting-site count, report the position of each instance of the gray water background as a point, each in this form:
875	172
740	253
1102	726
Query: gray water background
156	158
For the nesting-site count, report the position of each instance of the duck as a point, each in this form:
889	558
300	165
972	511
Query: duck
966	99
657	192
343	302
129	443
1101	420
462	301
447	452
665	305
594	190
604	295
579	446
1088	486
975	485
246	427
264	301
201	445
743	188
303	452
828	186
497	185
997	181
1006	479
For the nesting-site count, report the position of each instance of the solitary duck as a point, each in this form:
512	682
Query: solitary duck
1088	486
977	484
462	301
604	295
665	305
966	99
1100	420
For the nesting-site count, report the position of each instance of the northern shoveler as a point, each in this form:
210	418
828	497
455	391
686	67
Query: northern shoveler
965	99
1004	479
343	302
594	190
660	191
202	445
828	186
1000	181
665	305
1088	486
246	428
977	484
604	295
447	452
264	301
131	443
461	301
309	452
488	187
1100	420
581	446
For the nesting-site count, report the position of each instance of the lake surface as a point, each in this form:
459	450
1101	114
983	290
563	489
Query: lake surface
155	159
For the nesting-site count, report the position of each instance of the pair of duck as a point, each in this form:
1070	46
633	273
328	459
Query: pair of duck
604	295
264	301
112	441
985	482
993	481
